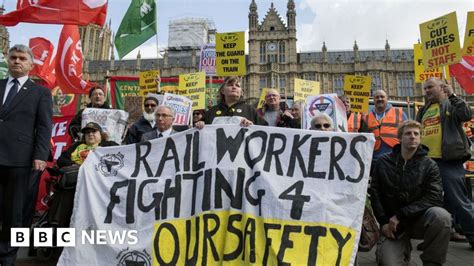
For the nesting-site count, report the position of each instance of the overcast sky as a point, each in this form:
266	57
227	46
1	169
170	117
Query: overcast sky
339	23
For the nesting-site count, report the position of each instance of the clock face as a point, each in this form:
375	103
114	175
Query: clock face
272	46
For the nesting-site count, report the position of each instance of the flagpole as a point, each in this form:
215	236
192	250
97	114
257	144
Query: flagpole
156	35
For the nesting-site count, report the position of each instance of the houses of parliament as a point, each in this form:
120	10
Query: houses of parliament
272	59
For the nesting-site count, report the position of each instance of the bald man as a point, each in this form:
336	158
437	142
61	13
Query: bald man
272	112
383	122
442	118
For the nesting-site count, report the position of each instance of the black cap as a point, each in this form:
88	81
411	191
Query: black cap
92	125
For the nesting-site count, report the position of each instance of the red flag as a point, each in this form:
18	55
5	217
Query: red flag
43	53
74	12
463	72
69	62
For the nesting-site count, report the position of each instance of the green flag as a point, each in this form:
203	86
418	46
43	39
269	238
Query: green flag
138	25
3	67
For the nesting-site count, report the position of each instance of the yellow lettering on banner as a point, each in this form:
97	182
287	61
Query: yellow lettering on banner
358	90
440	39
234	238
230	54
468	48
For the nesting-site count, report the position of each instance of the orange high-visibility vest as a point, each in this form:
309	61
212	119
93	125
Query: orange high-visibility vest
353	122
386	129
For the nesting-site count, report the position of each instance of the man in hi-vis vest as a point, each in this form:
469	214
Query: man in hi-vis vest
383	122
355	121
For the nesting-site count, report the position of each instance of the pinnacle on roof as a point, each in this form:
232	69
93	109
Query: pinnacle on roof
291	4
253	6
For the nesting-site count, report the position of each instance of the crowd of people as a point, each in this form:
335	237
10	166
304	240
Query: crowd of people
417	188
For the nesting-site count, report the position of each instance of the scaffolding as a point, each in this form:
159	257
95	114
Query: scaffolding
190	32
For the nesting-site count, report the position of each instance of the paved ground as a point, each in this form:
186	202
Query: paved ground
459	254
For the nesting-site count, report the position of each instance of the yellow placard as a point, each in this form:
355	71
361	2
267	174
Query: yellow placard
230	54
192	81
440	41
233	238
170	89
261	100
198	96
357	88
305	88
421	75
149	81
468	48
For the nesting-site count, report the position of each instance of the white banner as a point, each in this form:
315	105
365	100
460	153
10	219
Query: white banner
226	194
112	121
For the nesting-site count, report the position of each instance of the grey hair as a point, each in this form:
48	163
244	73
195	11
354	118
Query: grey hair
167	107
21	48
325	116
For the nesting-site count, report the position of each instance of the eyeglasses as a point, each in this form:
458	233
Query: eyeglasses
162	115
150	105
196	113
319	126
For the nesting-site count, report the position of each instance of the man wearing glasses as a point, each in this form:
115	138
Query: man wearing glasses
145	123
164	117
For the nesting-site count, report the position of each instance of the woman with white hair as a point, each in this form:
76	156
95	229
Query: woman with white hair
322	122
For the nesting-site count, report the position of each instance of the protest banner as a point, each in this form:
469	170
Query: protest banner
123	87
261	100
198	97
230	54
357	88
305	88
468	48
440	39
329	104
149	81
64	104
193	86
60	136
422	75
192	81
182	107
226	195
207	61
112	121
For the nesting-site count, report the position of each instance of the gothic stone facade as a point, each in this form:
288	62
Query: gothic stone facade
273	61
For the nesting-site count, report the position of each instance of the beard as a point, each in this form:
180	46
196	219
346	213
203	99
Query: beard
149	117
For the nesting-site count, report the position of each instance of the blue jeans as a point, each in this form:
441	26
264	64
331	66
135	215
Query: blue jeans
455	196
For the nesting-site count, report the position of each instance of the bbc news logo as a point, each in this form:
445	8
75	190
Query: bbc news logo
66	237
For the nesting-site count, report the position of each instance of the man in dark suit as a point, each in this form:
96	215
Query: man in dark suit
164	117
25	132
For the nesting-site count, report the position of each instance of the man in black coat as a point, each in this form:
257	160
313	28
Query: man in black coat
145	123
406	195
25	131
